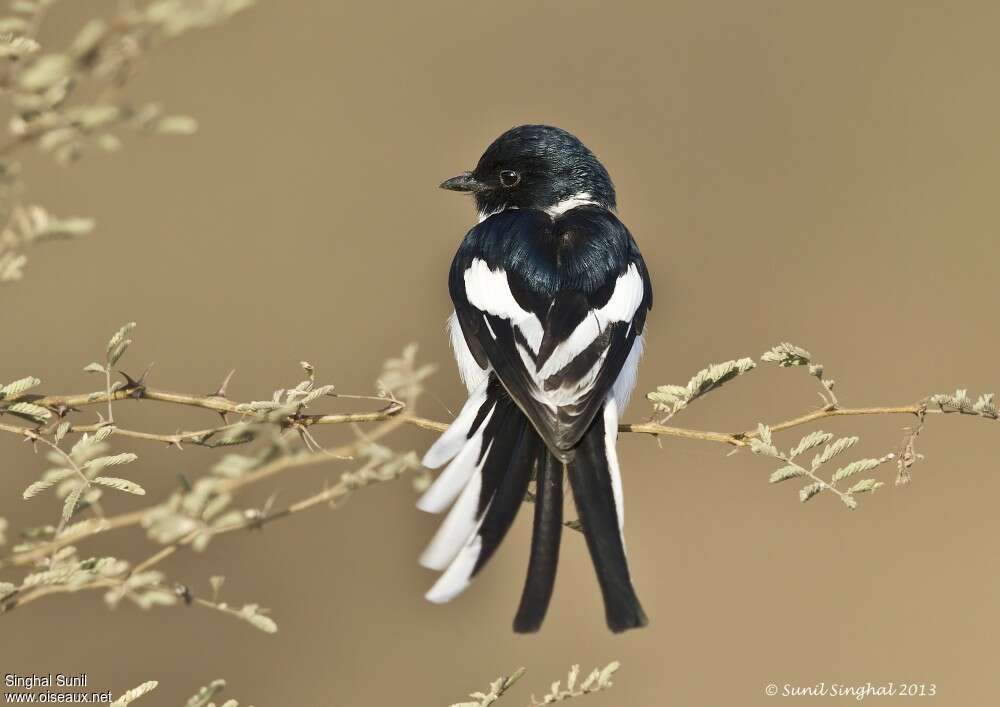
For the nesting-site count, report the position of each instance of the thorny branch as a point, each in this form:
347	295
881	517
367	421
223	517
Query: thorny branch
51	419
61	404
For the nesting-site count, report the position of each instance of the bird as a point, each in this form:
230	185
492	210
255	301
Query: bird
550	297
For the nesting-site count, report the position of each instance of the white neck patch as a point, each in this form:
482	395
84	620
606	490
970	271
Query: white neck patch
581	199
483	215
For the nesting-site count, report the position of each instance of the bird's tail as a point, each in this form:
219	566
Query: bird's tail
595	479
492	452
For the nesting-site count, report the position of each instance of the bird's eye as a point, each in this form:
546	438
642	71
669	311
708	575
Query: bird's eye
509	178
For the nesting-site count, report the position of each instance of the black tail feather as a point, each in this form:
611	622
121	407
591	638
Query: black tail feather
545	540
590	480
511	475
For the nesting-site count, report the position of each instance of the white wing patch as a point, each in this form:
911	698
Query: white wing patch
489	291
626	297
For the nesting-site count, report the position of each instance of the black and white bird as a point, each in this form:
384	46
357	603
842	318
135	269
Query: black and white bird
551	295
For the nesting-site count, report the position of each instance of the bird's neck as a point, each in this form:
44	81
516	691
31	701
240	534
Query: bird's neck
583	198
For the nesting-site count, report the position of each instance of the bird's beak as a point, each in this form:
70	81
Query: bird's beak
463	182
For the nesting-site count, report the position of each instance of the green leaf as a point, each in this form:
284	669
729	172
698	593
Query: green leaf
120	484
115	460
67	228
120	337
56	138
37	487
810	441
14	48
604	680
176	125
118	352
832	450
134	694
89	37
109	142
70	506
13	25
807	492
17	388
785	354
46	71
865	486
205	694
768	450
854	468
786	472
251	613
31	410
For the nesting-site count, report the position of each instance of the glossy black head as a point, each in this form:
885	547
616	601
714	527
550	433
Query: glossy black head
535	166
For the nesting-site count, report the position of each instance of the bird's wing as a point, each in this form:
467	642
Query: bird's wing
554	307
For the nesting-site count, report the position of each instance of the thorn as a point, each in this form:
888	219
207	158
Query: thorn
221	391
184	592
136	388
254	519
269	503
129	381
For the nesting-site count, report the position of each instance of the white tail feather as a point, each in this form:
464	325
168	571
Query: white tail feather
610	441
458	526
454	438
458	575
456	475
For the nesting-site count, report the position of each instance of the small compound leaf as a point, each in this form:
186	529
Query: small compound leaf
807	492
120	484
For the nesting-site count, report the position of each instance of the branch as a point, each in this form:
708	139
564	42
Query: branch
599	679
371	473
62	404
191	518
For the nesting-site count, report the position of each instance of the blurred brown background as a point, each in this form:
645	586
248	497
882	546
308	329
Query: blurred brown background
821	172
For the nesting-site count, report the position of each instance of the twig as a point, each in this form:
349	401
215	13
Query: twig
349	483
393	416
396	408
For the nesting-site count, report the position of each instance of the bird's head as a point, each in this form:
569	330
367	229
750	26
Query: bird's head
535	167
